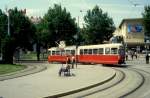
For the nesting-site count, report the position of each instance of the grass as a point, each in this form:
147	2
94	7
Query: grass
33	56
8	68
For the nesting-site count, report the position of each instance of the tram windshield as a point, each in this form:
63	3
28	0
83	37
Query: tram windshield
122	52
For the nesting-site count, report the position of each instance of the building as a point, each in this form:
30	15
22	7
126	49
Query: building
132	31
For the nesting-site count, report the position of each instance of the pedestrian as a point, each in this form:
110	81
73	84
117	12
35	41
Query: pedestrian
147	58
135	54
72	61
132	54
68	62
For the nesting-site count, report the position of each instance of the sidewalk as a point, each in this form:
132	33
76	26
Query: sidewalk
48	83
139	61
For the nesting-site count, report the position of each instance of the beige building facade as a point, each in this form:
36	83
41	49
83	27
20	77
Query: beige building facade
132	31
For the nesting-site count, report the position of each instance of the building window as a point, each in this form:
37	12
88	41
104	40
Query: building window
134	28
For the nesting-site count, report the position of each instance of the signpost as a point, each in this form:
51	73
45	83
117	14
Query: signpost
61	46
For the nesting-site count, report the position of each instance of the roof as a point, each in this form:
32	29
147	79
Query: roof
129	19
100	46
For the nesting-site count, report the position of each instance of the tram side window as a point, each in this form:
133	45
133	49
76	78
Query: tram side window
53	52
90	51
85	51
95	51
101	50
121	52
62	52
114	50
107	50
67	52
81	51
73	52
49	53
57	52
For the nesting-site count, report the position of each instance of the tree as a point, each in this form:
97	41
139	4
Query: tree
99	26
83	37
60	25
21	34
3	28
41	38
146	16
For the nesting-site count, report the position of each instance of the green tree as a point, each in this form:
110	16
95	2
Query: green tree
21	34
99	26
3	28
83	36
61	26
41	38
146	16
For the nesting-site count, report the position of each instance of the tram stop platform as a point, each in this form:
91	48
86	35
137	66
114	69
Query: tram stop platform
49	84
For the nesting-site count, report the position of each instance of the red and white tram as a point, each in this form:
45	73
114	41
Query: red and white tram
59	55
100	54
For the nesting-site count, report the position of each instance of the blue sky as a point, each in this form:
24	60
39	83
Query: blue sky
117	9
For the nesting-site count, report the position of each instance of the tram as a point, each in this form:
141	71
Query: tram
97	54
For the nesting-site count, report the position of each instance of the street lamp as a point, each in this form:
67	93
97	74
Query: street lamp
8	23
77	38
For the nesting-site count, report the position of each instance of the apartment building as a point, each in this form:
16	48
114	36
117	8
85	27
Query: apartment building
132	31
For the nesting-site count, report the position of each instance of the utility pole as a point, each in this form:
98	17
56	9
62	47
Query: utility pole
77	39
8	23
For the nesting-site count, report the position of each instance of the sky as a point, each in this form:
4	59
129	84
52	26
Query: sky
116	9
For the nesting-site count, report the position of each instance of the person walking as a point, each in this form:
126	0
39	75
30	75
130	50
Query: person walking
72	61
132	54
135	54
68	62
147	58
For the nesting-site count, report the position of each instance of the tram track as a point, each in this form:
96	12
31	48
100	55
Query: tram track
133	80
142	82
144	91
120	76
121	86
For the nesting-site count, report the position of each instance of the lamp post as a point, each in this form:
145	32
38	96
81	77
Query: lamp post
77	41
77	37
8	23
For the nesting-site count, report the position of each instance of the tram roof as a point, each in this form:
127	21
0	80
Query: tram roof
86	46
66	48
101	45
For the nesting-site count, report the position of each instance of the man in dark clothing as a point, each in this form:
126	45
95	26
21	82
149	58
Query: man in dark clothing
147	59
